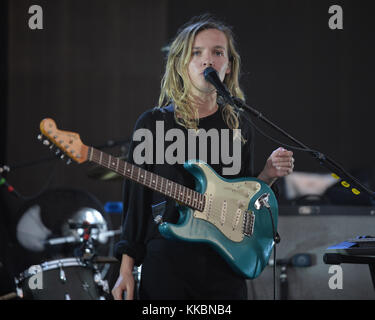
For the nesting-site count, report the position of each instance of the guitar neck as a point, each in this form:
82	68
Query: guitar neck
178	192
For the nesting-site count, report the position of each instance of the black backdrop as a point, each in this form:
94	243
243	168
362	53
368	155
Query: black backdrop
96	66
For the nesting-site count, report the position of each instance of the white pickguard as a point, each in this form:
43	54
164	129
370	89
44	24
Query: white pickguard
226	203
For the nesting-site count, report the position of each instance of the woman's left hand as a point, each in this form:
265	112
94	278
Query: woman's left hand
279	164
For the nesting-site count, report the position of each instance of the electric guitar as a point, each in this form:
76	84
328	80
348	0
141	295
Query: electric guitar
238	217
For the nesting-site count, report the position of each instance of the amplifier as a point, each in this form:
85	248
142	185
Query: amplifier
313	210
309	231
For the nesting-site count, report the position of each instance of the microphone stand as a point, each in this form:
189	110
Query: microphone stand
348	179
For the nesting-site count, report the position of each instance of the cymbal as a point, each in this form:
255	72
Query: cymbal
100	173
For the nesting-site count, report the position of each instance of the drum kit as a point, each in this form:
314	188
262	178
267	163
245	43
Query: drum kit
75	270
72	278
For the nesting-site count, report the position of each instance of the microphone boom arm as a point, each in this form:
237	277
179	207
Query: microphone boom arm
324	160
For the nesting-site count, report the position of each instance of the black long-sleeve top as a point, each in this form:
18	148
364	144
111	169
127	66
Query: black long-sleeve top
138	226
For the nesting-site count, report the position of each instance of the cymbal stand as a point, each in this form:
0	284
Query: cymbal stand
86	252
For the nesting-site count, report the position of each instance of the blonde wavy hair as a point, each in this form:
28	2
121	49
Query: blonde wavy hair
176	84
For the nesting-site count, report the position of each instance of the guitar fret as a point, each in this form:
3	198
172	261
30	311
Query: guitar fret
183	194
134	173
158	186
144	177
149	179
106	157
139	172
122	165
169	187
103	159
164	188
128	170
109	162
175	194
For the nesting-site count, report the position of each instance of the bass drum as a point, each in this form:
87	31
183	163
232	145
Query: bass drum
64	279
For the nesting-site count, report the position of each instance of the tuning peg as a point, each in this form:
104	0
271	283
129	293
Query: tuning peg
46	142
40	137
58	151
62	156
69	161
51	146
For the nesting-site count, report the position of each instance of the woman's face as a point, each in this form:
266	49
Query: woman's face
210	49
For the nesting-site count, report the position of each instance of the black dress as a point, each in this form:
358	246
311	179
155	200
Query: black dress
178	269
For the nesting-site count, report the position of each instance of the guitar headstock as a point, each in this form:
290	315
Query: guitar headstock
67	142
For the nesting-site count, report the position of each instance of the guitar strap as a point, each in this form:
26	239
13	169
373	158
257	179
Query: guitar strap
158	211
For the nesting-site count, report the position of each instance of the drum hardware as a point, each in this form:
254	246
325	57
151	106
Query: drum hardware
37	230
64	279
9	296
78	277
62	273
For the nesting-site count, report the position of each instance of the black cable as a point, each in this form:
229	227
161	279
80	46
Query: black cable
45	186
275	140
274	270
276	239
324	159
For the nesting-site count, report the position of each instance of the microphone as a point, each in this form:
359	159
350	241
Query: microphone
211	76
298	260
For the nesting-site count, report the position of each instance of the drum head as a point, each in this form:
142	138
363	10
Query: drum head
63	279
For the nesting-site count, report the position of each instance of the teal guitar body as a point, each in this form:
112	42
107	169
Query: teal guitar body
234	216
235	219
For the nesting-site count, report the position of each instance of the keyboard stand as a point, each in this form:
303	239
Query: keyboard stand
338	258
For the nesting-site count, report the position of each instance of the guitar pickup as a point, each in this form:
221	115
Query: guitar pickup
248	223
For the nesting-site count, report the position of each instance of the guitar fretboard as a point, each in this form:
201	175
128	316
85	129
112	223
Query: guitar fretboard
178	192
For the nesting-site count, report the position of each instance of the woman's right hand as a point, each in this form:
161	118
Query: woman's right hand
125	282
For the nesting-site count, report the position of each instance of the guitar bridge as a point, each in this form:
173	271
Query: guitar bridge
248	223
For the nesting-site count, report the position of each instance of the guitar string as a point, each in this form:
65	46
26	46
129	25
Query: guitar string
215	213
181	195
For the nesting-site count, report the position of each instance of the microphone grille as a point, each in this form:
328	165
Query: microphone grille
208	71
